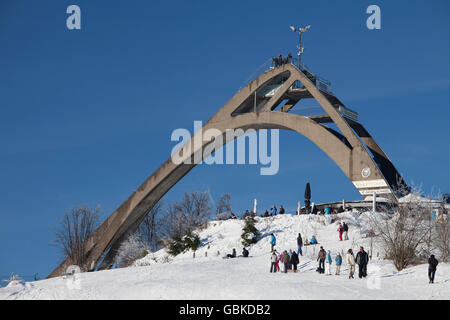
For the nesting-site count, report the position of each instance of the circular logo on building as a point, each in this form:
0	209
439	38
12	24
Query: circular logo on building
365	172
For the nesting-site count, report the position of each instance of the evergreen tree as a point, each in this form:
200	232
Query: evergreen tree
250	233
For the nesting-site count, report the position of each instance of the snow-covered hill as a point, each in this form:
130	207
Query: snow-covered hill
209	276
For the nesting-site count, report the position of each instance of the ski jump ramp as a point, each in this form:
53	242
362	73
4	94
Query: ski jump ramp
351	147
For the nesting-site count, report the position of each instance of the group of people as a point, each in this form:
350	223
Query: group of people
279	60
325	261
287	260
343	230
245	253
273	211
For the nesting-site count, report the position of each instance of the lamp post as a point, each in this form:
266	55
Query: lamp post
300	48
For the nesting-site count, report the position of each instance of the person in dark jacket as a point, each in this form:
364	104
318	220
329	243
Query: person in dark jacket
294	260
232	255
432	264
321	258
281	210
299	244
362	259
245	253
285	259
345	226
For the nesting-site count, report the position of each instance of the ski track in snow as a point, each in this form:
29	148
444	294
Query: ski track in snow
212	277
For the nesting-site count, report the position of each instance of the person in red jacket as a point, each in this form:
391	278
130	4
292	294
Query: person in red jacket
341	231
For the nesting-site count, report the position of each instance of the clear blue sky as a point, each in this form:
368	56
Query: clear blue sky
86	116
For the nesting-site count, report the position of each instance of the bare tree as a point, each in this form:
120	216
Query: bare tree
187	215
150	229
130	250
404	235
74	230
223	209
441	231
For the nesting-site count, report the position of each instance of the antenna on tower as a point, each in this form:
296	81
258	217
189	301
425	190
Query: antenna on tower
299	47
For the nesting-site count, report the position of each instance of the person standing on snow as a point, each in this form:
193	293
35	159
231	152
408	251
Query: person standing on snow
294	260
321	259
285	259
338	261
362	259
432	264
328	262
273	241
350	263
290	256
273	261
345	226
273	211
281	210
299	244
341	231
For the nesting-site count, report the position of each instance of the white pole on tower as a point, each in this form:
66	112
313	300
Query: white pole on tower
254	206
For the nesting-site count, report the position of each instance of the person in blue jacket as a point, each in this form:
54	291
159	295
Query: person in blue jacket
328	262
338	261
273	241
273	211
313	240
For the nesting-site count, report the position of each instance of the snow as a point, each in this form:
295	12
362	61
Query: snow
211	277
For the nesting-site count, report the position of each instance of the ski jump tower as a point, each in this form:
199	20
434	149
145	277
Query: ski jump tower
264	103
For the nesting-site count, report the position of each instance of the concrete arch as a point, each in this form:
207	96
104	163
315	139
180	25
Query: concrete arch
346	149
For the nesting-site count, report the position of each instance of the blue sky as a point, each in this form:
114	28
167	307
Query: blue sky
86	115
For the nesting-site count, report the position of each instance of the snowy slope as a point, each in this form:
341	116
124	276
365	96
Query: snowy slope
212	277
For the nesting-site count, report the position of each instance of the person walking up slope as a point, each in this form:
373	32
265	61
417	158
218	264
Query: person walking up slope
350	263
345	226
432	264
338	261
341	231
328	262
299	244
273	241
